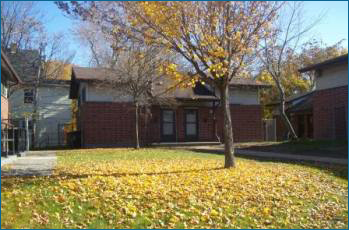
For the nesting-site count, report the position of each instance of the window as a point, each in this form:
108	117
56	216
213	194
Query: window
28	96
83	94
4	90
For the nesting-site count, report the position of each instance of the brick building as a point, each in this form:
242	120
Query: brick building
107	118
330	98
320	114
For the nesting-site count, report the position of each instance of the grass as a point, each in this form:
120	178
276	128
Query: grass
337	149
160	188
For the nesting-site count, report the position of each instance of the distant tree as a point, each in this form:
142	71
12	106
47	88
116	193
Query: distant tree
21	24
316	51
103	48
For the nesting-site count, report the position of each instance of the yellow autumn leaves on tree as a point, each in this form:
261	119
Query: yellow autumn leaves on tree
213	36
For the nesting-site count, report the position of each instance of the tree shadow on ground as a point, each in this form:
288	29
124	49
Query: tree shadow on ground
67	176
334	169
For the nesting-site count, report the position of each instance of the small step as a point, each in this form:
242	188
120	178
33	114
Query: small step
40	153
178	144
8	160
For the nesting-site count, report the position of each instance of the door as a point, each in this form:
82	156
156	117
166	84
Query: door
168	125
310	125
301	127
270	130
191	124
340	126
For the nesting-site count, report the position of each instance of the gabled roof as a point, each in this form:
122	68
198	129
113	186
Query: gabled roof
25	62
198	92
87	73
8	68
93	74
337	60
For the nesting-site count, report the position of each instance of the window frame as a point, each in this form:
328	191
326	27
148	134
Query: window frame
26	97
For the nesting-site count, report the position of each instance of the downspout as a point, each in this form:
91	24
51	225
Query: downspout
214	108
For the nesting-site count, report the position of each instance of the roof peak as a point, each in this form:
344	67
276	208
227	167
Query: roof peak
336	60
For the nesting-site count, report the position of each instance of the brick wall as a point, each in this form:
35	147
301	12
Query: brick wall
247	123
325	104
112	124
107	124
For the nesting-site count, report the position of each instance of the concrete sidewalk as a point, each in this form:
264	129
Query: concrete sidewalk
35	163
270	155
329	160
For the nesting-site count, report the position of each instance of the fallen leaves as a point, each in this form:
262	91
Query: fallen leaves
183	190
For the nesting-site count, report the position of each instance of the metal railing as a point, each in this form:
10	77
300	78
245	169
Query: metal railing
13	138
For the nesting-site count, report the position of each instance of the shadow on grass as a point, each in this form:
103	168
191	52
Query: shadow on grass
67	176
334	169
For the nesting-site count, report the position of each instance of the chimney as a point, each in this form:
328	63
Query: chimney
13	48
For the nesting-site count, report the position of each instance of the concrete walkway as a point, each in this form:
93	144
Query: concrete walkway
270	155
35	163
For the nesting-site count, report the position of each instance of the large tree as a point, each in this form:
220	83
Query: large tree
316	51
215	38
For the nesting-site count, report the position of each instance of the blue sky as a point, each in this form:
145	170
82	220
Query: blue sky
331	29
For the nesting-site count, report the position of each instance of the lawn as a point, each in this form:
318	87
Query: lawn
159	188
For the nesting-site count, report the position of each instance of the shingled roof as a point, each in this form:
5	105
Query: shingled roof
25	62
93	74
337	60
198	92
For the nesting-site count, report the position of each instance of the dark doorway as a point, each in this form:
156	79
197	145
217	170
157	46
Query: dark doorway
168	125
310	125
340	123
191	124
301	125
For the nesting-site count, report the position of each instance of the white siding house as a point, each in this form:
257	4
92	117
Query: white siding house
54	110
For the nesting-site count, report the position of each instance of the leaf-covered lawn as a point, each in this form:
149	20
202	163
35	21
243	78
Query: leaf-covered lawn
158	188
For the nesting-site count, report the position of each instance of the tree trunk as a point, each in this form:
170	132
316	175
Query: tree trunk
283	113
137	135
228	128
286	120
